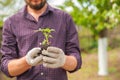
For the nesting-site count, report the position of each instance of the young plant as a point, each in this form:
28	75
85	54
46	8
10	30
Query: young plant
47	34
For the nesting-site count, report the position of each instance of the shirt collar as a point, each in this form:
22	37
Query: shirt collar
49	9
24	12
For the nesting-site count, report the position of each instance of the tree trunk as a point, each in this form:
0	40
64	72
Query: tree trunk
102	54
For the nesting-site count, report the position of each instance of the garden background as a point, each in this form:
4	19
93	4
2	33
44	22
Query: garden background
94	19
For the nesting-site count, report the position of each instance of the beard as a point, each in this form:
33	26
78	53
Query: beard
37	6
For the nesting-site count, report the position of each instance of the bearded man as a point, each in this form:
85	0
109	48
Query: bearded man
21	44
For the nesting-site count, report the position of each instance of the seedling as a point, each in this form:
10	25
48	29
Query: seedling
47	35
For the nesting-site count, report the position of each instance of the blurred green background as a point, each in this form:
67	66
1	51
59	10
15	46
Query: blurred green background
94	19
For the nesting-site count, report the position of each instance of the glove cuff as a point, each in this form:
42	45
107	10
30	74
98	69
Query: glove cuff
28	61
64	61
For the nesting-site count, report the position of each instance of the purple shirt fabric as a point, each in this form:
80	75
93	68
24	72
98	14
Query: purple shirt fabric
19	37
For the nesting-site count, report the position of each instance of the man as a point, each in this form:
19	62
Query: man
21	44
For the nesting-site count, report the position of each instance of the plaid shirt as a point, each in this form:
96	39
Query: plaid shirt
19	36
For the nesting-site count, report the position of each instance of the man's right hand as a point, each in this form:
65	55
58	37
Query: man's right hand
33	58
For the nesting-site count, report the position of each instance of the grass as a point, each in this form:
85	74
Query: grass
89	70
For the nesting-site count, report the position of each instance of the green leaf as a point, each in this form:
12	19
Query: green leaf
97	15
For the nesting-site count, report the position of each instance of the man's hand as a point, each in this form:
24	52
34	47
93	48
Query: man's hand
53	57
33	58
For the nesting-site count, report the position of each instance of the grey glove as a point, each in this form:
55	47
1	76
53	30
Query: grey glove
33	58
53	57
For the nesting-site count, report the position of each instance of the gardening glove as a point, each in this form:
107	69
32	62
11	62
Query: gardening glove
53	57
33	58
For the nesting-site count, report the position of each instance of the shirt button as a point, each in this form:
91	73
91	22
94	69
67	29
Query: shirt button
41	73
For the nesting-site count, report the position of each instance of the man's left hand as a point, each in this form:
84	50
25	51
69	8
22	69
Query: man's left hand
53	57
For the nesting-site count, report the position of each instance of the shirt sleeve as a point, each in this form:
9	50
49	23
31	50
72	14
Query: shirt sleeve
72	42
8	47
